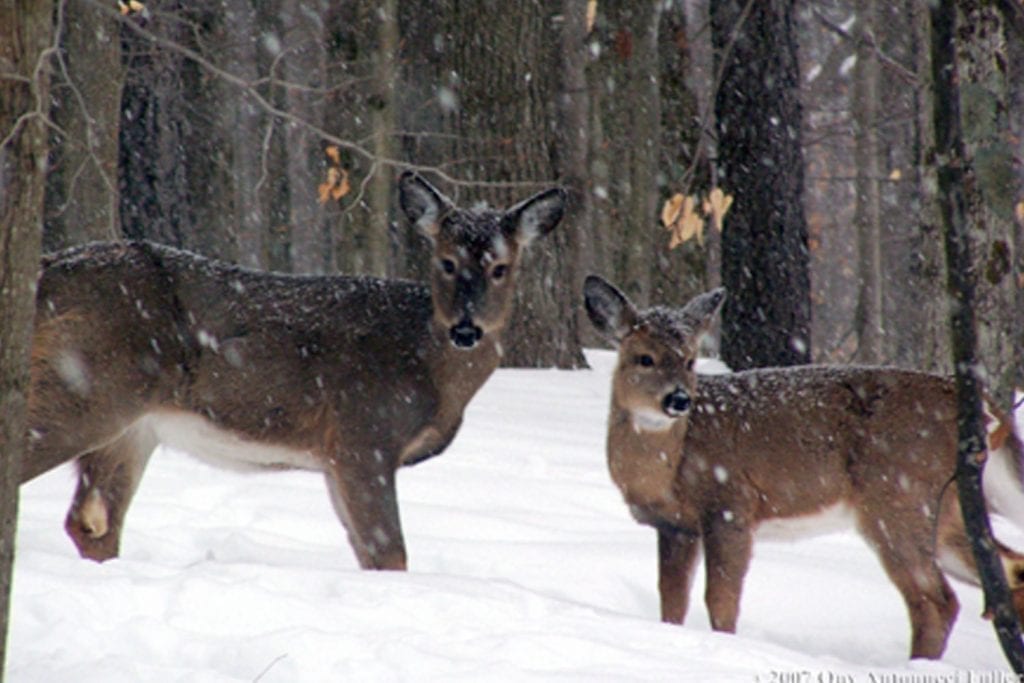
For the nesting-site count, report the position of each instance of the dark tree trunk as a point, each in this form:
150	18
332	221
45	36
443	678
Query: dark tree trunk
765	264
153	178
25	33
958	222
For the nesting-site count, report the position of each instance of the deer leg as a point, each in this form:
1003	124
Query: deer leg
107	479
727	549
677	554
366	502
905	549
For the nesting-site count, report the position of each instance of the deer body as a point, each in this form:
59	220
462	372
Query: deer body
138	344
710	460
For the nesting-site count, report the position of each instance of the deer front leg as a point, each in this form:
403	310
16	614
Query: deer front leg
107	479
365	500
677	554
727	548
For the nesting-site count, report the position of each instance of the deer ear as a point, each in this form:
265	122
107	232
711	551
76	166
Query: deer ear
700	312
422	203
611	312
534	217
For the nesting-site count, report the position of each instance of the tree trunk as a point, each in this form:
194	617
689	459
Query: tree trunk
958	222
81	189
994	186
497	103
867	217
303	71
153	169
627	106
25	33
765	263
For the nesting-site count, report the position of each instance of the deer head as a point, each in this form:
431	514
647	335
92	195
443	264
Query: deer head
475	254
655	379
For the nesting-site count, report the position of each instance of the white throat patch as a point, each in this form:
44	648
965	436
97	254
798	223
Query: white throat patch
647	420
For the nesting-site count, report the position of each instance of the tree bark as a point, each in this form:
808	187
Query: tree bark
994	186
867	216
765	262
958	221
25	34
82	198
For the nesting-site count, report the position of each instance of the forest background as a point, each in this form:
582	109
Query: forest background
270	134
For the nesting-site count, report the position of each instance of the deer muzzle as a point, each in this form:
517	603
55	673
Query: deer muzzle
676	403
465	334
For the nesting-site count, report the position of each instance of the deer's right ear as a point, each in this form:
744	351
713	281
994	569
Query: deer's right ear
610	311
422	203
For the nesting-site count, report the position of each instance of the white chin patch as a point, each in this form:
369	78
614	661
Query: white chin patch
647	420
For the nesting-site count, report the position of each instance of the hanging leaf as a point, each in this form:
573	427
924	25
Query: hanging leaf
591	14
716	206
334	154
671	210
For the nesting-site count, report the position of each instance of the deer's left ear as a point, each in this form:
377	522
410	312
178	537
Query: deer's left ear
699	312
534	217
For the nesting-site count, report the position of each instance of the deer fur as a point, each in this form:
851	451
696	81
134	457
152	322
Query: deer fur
709	460
137	344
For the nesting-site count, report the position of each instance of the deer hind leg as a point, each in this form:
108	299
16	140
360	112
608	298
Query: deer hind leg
905	547
107	479
677	555
727	550
366	502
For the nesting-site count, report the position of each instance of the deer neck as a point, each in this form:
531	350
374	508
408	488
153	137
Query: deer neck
643	456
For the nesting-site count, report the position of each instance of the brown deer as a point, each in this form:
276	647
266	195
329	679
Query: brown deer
137	344
707	460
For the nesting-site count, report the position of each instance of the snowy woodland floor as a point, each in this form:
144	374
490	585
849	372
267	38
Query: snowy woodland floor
524	565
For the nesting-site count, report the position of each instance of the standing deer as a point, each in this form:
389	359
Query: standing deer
137	344
707	460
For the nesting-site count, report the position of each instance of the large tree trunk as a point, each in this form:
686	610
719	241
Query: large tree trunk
25	33
81	189
496	99
765	265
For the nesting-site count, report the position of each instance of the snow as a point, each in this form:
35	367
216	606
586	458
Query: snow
524	565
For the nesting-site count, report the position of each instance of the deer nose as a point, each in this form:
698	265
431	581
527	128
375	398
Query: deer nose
465	334
676	403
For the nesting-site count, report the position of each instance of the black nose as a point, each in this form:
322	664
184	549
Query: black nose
676	403
465	335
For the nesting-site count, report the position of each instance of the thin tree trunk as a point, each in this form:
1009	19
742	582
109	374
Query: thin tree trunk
957	223
25	33
867	216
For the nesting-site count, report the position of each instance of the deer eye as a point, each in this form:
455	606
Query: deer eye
645	360
499	271
448	266
689	364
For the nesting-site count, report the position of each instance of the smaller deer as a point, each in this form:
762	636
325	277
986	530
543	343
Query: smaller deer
137	344
708	460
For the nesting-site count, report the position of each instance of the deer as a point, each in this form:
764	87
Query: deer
136	344
708	460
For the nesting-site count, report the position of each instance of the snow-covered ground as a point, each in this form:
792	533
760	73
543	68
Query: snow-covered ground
524	565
